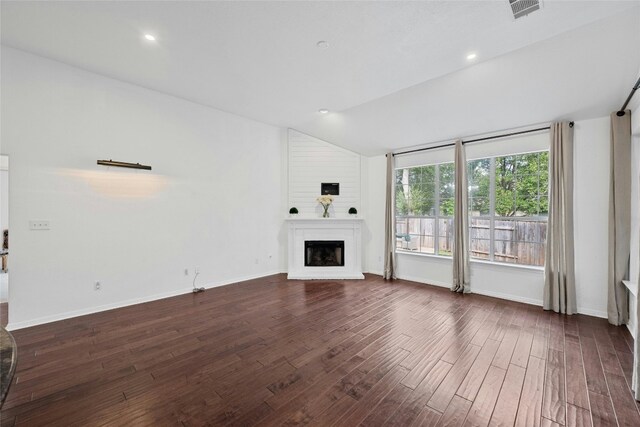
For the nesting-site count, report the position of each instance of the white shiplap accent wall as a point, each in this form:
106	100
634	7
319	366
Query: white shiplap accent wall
312	162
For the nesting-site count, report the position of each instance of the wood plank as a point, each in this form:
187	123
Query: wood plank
601	410
554	402
530	407
474	378
623	402
540	345
482	408
593	367
578	417
359	411
508	344
417	400
427	418
456	412
548	423
447	389
576	382
387	406
522	349
507	407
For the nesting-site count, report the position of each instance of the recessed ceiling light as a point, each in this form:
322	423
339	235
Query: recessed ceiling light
150	37
471	56
323	111
322	44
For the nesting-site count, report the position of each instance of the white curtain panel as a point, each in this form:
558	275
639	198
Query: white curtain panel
619	217
390	223
461	271
559	271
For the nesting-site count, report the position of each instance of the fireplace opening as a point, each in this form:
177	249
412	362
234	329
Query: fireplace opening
324	253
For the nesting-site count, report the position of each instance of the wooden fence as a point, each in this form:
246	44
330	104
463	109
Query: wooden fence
517	240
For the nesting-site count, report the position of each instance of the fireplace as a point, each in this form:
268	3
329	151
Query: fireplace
325	248
324	253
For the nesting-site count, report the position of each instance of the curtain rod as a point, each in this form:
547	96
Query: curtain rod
504	135
624	106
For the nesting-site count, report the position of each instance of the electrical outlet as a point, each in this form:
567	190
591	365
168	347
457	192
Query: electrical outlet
42	224
97	286
186	271
197	270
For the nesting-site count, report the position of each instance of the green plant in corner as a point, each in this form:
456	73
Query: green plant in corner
293	210
353	211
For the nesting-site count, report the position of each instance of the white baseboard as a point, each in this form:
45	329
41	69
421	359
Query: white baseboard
594	313
84	311
90	310
235	280
422	280
377	273
516	298
631	331
509	297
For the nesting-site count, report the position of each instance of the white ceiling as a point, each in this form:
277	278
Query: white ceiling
394	75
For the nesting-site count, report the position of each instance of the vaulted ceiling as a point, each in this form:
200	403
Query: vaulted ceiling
394	74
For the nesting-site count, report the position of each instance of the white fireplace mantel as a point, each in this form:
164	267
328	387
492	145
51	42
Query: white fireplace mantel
348	230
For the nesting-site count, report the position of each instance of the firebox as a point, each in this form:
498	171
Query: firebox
324	253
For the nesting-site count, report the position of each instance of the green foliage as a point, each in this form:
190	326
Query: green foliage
447	188
479	178
521	187
415	188
519	181
446	207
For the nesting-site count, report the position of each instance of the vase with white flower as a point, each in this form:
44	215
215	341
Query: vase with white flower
325	200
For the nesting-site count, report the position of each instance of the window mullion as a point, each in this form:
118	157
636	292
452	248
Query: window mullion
436	228
492	207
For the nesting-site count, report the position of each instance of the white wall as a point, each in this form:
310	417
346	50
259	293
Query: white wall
591	213
522	283
212	200
312	162
374	175
4	193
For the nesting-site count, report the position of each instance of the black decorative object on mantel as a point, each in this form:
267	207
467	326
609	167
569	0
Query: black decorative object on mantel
353	211
293	210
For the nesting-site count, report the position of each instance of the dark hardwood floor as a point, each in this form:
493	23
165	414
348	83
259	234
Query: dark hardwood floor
277	352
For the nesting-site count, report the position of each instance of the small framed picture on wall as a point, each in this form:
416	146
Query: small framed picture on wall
332	188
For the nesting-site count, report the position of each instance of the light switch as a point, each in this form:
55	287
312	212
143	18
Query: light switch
39	225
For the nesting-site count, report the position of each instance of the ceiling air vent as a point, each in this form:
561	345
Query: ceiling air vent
522	8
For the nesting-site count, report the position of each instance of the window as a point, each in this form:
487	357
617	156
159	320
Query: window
424	209
519	221
508	208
